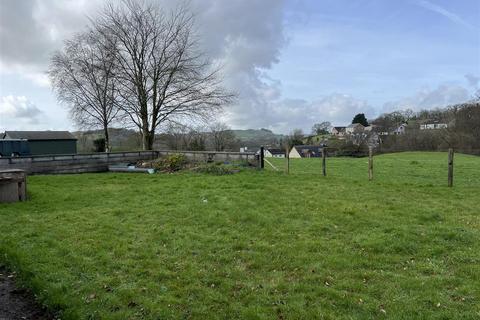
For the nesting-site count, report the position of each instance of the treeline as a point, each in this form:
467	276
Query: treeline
216	136
462	132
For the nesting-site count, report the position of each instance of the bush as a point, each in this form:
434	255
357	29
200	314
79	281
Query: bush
171	163
99	145
350	149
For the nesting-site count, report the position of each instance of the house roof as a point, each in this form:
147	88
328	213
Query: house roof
276	151
355	125
340	129
40	135
301	149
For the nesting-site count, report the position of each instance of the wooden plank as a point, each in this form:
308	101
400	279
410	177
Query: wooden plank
324	162
450	167
370	163
287	158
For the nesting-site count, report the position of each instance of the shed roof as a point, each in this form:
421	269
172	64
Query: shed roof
40	135
355	125
276	151
303	149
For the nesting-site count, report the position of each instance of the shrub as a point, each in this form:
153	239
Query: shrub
99	145
171	163
350	149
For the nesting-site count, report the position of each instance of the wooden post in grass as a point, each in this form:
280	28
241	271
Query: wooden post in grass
450	167
324	162
262	157
370	163
287	158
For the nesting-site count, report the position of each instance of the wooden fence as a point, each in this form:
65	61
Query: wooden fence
99	162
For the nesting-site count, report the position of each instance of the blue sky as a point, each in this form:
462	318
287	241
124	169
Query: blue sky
293	62
378	50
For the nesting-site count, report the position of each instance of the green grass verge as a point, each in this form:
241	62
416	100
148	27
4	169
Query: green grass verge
254	245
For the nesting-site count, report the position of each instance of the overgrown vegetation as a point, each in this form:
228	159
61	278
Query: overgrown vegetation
219	169
254	245
170	163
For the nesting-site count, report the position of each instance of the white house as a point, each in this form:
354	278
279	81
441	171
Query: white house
306	151
273	153
354	128
433	125
400	129
338	131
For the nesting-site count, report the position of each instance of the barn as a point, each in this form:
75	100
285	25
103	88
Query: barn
46	142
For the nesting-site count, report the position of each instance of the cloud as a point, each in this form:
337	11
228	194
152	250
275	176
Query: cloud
283	115
18	112
426	98
444	12
245	36
473	80
30	30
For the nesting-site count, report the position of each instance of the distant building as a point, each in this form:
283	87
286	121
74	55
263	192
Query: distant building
305	151
400	129
46	142
354	128
274	153
338	131
432	125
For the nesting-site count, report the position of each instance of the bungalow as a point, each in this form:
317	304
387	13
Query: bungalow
432	125
306	151
338	131
354	128
274	153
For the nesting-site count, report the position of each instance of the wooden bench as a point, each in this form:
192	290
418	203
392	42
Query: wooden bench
13	185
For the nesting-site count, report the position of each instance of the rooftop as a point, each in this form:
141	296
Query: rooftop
39	135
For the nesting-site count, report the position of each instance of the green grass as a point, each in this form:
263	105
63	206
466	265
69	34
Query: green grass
254	245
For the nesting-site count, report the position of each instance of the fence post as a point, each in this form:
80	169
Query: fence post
287	157
370	163
324	162
262	162
450	167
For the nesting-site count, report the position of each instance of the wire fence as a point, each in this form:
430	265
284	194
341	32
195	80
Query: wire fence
406	168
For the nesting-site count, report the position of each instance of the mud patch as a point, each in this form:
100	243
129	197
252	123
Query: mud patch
17	303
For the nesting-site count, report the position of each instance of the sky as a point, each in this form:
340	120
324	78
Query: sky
293	63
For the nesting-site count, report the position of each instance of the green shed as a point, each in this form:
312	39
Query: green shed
46	142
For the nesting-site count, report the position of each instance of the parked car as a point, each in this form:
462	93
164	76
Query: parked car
14	148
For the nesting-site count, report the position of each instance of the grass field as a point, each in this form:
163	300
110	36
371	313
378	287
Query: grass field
254	245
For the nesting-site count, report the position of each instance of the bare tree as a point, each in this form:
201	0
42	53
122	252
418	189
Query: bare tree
321	128
162	72
222	136
177	136
295	138
83	78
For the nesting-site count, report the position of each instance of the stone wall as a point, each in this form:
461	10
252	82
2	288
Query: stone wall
76	163
99	162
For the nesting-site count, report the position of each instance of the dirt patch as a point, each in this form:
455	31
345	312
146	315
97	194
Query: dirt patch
17	303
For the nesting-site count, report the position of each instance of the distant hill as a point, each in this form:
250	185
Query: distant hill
258	137
128	139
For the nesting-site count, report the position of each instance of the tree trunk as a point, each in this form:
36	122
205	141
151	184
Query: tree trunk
147	139
107	137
